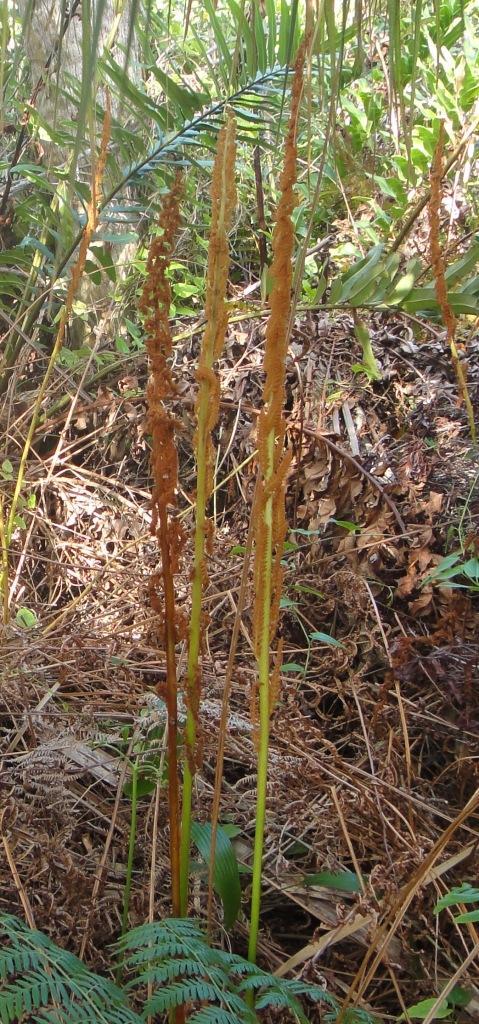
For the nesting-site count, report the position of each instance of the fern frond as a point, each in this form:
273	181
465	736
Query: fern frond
37	975
303	988
217	1015
283	993
181	992
25	995
157	932
173	969
16	961
208	122
161	951
45	983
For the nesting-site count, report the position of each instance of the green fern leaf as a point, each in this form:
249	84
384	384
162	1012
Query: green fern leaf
37	975
181	992
173	969
217	1015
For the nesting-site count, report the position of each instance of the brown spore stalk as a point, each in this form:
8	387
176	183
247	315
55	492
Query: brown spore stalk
223	198
273	465
155	305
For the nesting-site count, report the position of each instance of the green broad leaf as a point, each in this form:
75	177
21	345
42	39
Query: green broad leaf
272	25
420	1010
91	270
184	291
29	242
231	830
391	187
447	562
423	300
401	290
346	524
104	258
7	469
457	271
344	881
31	501
296	849
143	105
226	63
306	533
325	638
361	273
446	569
445	574
144	786
10	284
247	35
183	98
303	589
292	666
471	568
465	893
19	522
120	239
470	917
15	257
369	359
287	602
336	292
133	329
259	39
459	996
237	549
226	877
26	618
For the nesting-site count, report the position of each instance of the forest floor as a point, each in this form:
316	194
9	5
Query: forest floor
374	748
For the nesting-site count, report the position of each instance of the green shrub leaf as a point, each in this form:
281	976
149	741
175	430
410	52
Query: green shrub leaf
226	877
345	881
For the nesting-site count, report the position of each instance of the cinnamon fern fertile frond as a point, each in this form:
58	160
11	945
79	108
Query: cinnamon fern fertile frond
273	463
223	196
155	305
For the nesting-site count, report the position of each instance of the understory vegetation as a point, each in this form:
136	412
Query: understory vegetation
239	495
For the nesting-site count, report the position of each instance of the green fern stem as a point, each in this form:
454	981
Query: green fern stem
263	660
223	196
131	849
194	644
